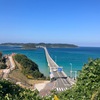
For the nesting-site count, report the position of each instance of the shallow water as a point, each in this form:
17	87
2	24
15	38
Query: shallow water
62	56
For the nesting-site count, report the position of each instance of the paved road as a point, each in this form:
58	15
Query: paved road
47	89
62	81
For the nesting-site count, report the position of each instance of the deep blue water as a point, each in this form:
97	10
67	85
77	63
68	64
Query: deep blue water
62	56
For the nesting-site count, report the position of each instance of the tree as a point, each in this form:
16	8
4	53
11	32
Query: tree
29	68
10	91
3	66
3	59
87	86
0	56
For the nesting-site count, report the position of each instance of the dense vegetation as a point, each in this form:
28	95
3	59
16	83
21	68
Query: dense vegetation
88	83
2	65
10	91
87	87
2	62
29	46
29	68
0	56
56	45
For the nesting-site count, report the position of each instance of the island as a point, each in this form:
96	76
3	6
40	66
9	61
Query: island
35	45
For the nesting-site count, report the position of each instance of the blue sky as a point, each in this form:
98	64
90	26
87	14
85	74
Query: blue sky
50	21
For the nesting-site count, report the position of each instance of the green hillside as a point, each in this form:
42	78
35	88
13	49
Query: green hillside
29	68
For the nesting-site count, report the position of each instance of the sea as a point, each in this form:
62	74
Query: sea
64	57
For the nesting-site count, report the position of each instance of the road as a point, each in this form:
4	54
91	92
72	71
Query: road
12	67
62	81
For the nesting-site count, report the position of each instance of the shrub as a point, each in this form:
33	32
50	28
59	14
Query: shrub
29	67
3	66
88	83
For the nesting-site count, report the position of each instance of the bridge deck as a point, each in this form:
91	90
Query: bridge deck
62	81
53	66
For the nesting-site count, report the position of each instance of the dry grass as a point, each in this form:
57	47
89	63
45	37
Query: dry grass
17	76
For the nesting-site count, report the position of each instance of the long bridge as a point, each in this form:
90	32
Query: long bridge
62	81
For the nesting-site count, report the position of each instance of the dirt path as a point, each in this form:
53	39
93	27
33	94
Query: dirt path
12	67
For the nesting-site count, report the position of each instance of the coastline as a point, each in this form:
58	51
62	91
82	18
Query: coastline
63	56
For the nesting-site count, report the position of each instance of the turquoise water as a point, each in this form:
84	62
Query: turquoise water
62	56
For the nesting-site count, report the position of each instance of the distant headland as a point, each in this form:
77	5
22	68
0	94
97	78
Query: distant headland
35	45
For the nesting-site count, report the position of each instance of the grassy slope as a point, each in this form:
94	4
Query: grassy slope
28	67
17	76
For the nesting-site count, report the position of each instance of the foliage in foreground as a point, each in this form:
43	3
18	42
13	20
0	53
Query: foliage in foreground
87	87
10	91
29	68
2	62
88	83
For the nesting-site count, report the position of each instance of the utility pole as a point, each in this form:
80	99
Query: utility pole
75	74
71	70
55	58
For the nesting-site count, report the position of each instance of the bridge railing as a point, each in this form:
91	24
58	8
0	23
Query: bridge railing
54	65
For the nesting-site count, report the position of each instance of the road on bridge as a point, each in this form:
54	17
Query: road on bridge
62	81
